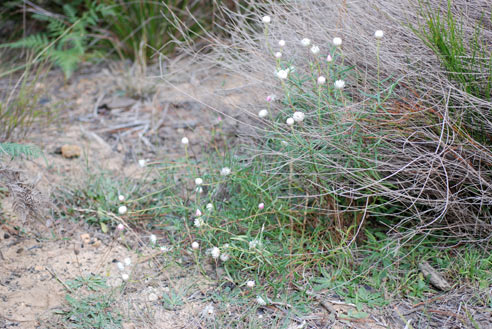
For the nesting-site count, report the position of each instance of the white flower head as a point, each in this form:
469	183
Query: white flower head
120	265
153	239
127	261
266	19
278	54
298	116
284	143
215	252
260	301
208	310
253	244
263	113
120	227
315	49
195	245
225	171
290	121
305	42
198	222
185	141
282	74
261	206
250	284
198	213
224	257
337	41
210	207
121	198
142	162
339	84
270	98
379	34
198	181
122	210
281	43
125	276
321	80
165	248
199	189
329	59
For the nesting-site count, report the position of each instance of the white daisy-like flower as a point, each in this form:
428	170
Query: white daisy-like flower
283	74
260	301
210	207
153	239
315	49
290	121
125	276
263	113
195	245
224	257
198	181
225	171
339	84
278	54
298	116
198	213
142	162
122	210
121	198
379	34
337	41
185	141
281	43
305	42
127	261
120	265
321	80
266	19
198	222
250	284
215	252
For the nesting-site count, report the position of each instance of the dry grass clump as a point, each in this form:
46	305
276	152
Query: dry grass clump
406	140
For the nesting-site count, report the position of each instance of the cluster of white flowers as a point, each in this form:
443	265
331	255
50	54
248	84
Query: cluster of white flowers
153	239
215	252
199	222
122	210
278	54
210	207
289	121
321	80
195	245
185	141
305	42
142	162
263	113
315	49
298	116
339	84
283	74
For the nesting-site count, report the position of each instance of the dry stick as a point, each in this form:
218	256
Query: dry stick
53	273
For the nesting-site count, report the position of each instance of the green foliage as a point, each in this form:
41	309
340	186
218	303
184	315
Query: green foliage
15	150
66	40
467	59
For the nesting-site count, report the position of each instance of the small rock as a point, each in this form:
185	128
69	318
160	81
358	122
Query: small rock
71	151
97	243
38	268
153	297
85	237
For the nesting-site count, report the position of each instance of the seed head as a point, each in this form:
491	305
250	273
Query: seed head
122	210
198	222
263	113
290	121
224	257
298	116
